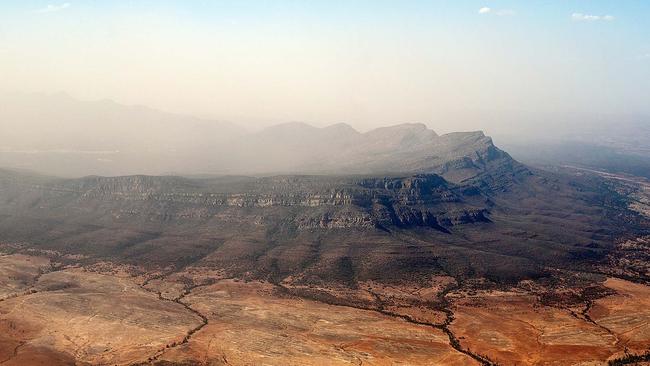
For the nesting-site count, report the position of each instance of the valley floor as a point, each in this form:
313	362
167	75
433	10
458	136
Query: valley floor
109	314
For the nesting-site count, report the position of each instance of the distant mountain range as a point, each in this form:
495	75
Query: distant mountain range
58	135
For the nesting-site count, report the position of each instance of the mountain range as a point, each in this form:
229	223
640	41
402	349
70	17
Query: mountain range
58	135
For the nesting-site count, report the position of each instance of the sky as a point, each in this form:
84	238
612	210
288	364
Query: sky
364	62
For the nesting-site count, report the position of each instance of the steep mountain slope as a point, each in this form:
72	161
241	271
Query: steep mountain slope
315	228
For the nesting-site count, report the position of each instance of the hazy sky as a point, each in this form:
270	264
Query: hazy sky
367	63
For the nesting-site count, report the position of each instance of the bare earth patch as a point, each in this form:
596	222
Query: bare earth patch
627	314
513	328
18	272
249	325
91	318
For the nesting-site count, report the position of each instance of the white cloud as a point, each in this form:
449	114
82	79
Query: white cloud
498	12
51	8
580	17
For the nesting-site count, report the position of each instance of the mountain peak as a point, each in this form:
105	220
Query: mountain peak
415	127
341	127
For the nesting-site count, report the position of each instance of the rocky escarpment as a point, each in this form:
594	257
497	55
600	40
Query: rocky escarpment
323	202
319	226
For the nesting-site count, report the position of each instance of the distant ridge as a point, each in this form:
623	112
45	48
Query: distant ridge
76	138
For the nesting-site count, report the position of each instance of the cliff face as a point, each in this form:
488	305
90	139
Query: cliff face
420	200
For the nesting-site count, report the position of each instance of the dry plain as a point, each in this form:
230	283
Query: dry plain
101	315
